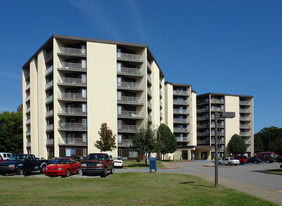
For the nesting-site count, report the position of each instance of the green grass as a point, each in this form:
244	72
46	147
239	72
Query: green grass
121	189
275	172
141	164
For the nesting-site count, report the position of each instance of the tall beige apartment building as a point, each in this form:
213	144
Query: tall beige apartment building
72	85
242	124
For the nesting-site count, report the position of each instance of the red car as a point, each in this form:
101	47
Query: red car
62	166
1	158
242	159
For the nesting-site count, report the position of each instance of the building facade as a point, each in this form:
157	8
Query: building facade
72	85
242	124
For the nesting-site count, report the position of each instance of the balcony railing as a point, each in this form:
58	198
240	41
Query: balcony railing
203	126
49	99
27	110
129	57
245	118
125	143
49	113
217	100
27	98
176	129
248	141
203	110
72	51
72	111
180	120
71	81
49	84
129	99
50	141
73	141
202	118
27	87
27	132
217	109
49	127
181	139
149	105
49	70
179	92
207	142
178	101
180	111
130	114
149	118
128	85
72	126
72	96
203	134
72	66
128	128
149	79
218	133
129	71
245	126
245	103
49	56
28	121
245	133
28	144
149	91
149	66
245	110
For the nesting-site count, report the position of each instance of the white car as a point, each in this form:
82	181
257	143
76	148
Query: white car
229	161
118	162
5	155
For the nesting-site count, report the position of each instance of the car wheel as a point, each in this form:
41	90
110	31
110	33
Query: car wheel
112	170
42	169
104	172
78	170
229	163
20	171
2	173
256	162
68	173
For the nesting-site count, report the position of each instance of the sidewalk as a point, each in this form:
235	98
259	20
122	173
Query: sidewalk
259	191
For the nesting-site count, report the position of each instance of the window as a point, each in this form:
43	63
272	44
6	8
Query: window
120	152
119	109
118	95
84	151
118	66
119	138
84	137
70	152
133	154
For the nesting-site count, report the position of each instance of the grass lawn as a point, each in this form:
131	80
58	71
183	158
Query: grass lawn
121	189
275	172
134	163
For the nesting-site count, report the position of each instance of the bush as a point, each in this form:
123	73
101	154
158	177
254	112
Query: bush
138	159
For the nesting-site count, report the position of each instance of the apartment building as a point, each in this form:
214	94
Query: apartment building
242	124
181	117
72	85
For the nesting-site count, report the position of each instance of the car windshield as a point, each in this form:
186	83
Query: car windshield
60	161
18	158
96	157
232	158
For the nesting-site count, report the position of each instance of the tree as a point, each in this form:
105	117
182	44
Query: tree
107	141
144	142
258	144
11	132
237	145
166	140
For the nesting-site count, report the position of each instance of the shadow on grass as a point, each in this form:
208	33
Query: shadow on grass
193	184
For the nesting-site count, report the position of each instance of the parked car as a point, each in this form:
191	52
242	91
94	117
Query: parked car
63	167
266	156
118	162
98	163
22	164
5	155
254	160
242	159
1	158
229	161
40	158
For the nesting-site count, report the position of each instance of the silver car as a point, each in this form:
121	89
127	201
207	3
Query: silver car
229	161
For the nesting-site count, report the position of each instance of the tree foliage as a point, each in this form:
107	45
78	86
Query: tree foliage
144	142
258	144
166	140
107	141
11	132
271	138
237	145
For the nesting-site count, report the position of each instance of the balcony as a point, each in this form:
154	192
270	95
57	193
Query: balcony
69	111
149	66
28	121
245	111
27	110
73	142
180	111
49	99
49	113
149	91
49	141
28	144
49	85
180	130
69	66
48	56
129	71
129	57
149	79
245	134
202	118
203	126
181	93
220	101
181	139
129	86
218	133
178	101
71	81
245	118
205	142
203	110
49	70
245	103
131	114
68	126
203	134
130	100
248	141
50	127
218	125
125	143
27	98
72	51
245	126
149	118
27	132
128	128
221	109
180	120
149	105
72	96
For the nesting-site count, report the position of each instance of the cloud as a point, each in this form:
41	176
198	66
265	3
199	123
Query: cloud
97	15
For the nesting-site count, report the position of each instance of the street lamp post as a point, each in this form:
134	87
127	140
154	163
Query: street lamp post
219	115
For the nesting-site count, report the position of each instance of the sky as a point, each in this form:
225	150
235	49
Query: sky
221	46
